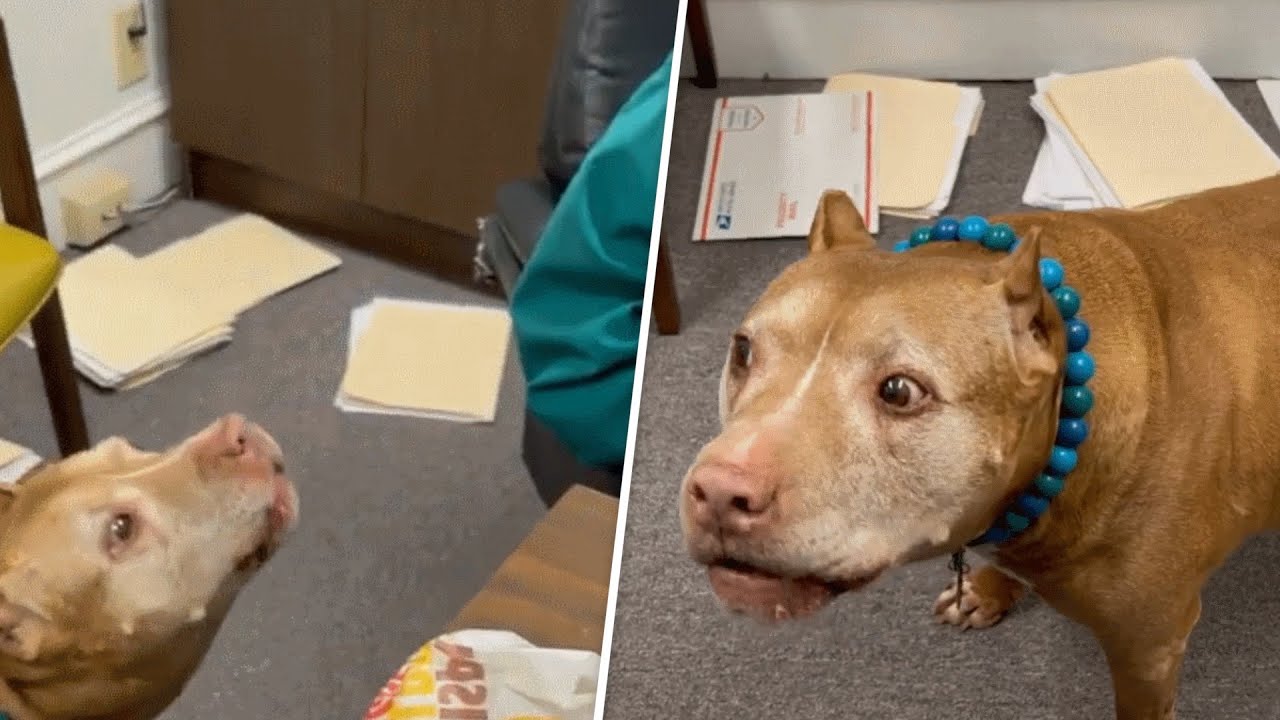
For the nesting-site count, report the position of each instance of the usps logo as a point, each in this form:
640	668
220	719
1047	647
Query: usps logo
723	221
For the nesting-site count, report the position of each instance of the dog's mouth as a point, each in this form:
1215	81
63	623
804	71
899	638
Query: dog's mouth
770	597
278	520
257	557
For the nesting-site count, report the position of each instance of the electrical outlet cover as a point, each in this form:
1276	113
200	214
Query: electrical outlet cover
91	207
131	55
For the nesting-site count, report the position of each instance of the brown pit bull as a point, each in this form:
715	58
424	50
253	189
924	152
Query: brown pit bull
118	565
883	408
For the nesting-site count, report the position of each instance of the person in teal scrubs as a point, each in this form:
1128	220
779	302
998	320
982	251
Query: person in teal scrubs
576	307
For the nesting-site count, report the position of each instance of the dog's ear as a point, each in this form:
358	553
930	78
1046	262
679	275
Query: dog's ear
838	224
1035	324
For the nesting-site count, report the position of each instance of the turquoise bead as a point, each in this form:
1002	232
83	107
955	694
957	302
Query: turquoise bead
995	536
1077	334
945	229
1068	301
1033	506
973	228
1079	368
1062	461
920	236
1072	432
1049	485
1077	401
1016	522
999	237
1051	273
901	246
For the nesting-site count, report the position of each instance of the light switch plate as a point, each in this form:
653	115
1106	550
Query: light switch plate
131	54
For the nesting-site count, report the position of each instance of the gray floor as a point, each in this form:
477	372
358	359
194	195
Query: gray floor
876	654
402	519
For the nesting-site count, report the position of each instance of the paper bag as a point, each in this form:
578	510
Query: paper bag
489	675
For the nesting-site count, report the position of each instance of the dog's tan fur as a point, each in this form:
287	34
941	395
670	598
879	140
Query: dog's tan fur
94	627
814	477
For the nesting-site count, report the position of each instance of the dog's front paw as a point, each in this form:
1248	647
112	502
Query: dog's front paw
986	597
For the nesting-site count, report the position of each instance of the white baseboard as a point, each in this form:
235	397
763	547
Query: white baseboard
987	39
134	140
56	158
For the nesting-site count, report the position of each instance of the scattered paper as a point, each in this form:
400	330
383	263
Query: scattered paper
124	322
131	320
1140	136
15	462
425	359
923	129
239	263
769	159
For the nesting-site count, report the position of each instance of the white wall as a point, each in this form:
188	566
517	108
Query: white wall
77	120
988	39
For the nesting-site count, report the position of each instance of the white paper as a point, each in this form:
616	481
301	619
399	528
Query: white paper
13	471
1045	187
1270	90
769	159
1061	178
492	674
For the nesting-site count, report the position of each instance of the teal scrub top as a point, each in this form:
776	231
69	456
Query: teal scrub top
576	307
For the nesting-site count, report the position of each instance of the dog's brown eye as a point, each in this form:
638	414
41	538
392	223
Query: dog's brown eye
122	527
121	531
741	351
900	391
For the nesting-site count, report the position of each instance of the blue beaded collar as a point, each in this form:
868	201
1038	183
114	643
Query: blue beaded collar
1077	399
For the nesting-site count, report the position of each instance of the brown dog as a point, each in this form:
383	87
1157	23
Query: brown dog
883	408
117	567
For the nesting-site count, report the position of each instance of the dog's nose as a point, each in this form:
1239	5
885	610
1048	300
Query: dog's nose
265	445
731	498
250	448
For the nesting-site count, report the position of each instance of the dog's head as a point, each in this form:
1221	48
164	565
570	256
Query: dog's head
876	409
118	565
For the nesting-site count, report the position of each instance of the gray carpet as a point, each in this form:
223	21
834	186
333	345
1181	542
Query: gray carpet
402	519
876	654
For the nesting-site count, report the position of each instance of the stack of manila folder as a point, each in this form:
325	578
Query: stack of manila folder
1139	136
426	360
924	127
132	319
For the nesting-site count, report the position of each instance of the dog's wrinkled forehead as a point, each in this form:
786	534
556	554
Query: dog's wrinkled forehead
872	302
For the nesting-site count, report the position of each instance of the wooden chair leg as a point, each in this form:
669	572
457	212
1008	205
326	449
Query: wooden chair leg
704	54
666	304
21	199
53	350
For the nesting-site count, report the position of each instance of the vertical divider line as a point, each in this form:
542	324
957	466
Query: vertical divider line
646	312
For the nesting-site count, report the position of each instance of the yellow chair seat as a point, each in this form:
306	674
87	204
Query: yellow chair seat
29	268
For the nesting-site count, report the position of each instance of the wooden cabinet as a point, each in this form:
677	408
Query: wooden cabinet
456	90
394	118
277	85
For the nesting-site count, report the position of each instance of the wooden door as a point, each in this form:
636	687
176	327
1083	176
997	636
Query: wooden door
455	99
277	85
